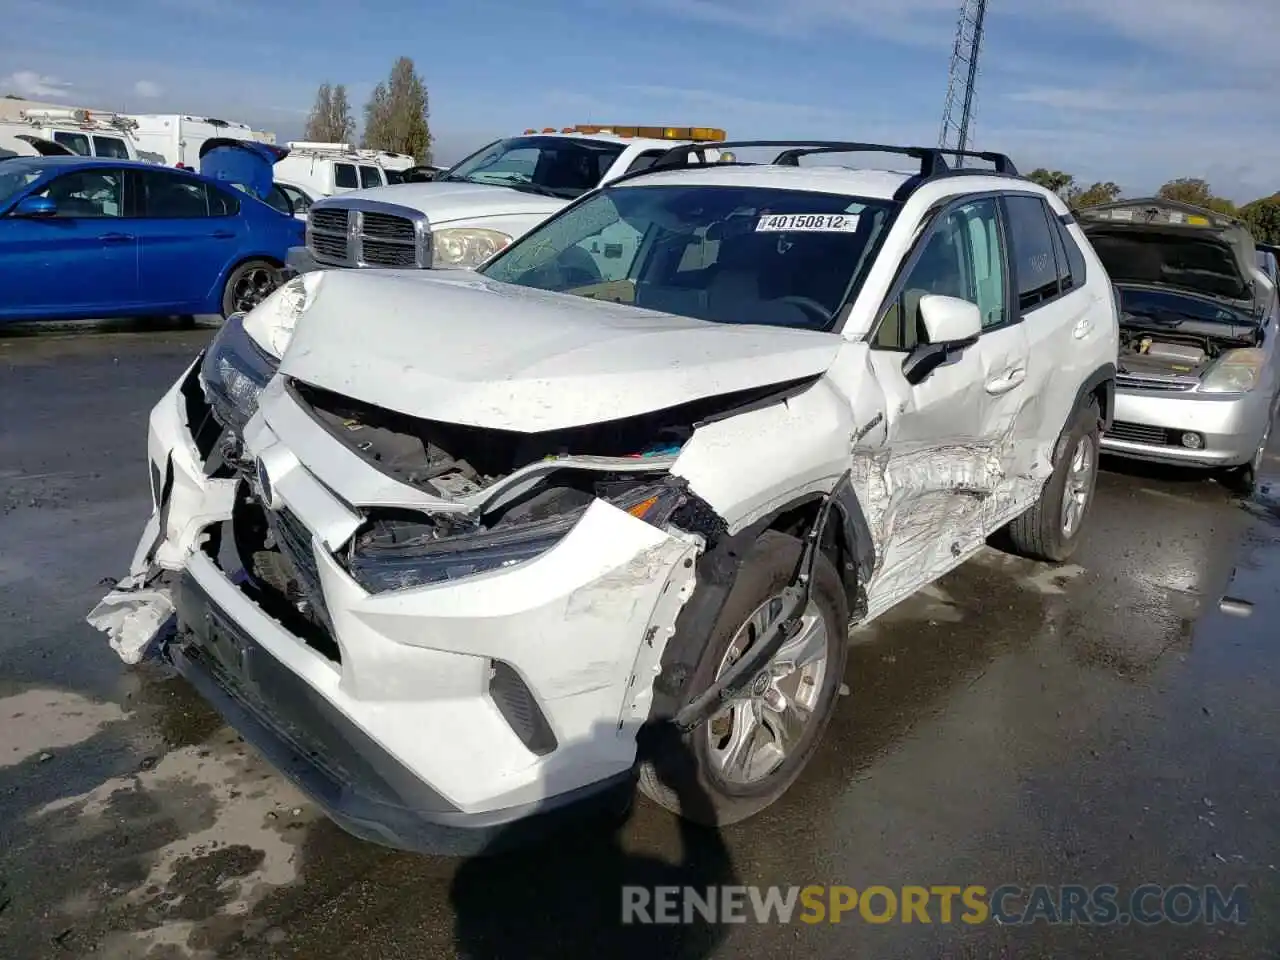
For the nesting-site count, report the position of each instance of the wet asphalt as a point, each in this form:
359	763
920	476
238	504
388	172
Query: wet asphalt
1105	721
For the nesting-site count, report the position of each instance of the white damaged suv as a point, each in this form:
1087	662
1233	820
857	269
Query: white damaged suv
446	545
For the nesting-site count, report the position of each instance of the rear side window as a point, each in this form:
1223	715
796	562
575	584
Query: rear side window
344	175
223	203
369	177
394	176
1034	256
77	142
112	147
645	160
173	197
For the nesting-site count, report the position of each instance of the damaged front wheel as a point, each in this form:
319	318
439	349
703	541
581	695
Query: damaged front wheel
748	752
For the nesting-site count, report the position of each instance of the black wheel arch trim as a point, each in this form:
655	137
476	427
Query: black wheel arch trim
1105	377
717	570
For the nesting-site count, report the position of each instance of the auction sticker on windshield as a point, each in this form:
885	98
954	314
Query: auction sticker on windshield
812	222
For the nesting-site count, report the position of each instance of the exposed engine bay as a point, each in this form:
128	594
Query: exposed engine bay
1185	351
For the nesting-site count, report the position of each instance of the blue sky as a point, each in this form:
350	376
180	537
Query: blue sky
1136	91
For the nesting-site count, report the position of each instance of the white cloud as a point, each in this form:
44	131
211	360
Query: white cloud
148	89
28	83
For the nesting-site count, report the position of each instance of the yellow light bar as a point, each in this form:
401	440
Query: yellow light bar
650	133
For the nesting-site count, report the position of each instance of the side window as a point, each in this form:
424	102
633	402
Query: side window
301	202
280	201
394	176
645	160
87	194
962	257
223	203
1072	269
344	175
168	196
369	177
76	142
1034	258
112	147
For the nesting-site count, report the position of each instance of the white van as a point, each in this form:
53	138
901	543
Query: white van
328	169
86	132
175	139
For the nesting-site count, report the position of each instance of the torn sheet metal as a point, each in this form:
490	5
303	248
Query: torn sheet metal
133	616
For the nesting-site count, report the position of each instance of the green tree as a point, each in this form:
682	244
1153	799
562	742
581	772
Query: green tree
1094	195
396	116
1055	180
330	120
1263	217
1196	192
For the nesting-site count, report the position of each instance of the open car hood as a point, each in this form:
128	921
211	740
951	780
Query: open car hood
455	347
1171	244
246	164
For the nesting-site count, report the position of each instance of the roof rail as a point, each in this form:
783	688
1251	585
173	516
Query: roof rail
932	159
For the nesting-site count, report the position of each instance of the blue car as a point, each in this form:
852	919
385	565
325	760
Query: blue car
85	237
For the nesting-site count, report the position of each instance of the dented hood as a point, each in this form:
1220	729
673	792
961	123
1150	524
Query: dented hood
456	347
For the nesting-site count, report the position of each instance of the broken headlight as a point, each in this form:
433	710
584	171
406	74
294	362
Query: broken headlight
270	324
418	556
233	373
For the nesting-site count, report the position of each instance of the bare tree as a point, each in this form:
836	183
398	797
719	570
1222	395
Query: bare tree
330	120
395	118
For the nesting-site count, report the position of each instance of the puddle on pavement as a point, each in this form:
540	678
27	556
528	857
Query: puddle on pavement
172	857
34	722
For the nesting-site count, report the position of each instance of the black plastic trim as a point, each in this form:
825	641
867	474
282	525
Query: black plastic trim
360	786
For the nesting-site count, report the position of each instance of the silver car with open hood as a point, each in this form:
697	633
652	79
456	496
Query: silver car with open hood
1197	379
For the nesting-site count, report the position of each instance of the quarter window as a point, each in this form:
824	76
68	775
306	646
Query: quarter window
112	147
88	194
1073	275
963	257
369	177
344	175
1034	251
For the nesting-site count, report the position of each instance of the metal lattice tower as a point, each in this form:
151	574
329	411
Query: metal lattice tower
957	115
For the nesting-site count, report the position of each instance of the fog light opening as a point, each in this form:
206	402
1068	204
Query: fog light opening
1192	441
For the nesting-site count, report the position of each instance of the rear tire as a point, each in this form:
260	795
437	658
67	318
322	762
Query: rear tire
248	285
1050	530
691	774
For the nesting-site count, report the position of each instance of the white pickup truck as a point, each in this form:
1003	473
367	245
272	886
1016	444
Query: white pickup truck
481	205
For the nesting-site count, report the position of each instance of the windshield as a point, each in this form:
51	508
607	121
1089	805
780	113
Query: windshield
556	166
749	255
1167	307
1205	265
16	177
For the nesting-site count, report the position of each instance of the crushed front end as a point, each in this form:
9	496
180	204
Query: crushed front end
437	632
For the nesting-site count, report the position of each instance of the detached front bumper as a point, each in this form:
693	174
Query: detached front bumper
395	725
1150	426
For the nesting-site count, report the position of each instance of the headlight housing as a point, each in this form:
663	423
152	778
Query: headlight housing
234	372
465	247
440	554
1237	371
271	323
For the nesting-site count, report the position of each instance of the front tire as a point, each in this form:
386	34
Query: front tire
1243	480
248	285
1050	530
746	756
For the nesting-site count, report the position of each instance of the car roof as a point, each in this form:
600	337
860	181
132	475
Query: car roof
69	162
866	183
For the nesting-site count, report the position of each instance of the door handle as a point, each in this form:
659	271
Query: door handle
115	237
1004	384
222	235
